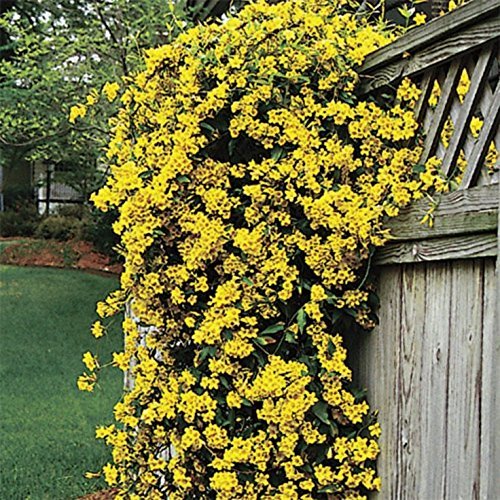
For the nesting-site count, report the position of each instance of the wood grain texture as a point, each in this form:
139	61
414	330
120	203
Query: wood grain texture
441	113
493	488
377	370
464	392
443	51
437	249
410	397
428	368
437	29
434	371
426	88
490	402
470	211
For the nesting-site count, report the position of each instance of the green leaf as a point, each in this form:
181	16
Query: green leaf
418	168
335	316
247	281
328	489
333	429
207	126
406	12
232	146
158	232
265	340
348	98
278	327
359	394
301	319
183	179
225	382
331	347
277	153
207	351
320	409
147	174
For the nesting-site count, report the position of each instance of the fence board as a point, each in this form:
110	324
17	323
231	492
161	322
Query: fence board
378	350
434	382
426	369
464	382
479	79
410	401
452	247
470	211
457	45
490	428
437	29
486	135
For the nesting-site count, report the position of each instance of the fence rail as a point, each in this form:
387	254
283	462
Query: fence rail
430	366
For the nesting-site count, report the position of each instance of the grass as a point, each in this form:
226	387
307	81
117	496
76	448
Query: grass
46	425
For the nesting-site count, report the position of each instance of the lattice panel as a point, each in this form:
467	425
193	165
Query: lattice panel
459	108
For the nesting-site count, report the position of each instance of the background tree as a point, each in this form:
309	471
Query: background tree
55	52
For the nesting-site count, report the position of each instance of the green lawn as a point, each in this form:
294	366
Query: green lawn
46	425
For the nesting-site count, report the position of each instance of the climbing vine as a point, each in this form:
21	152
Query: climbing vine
252	186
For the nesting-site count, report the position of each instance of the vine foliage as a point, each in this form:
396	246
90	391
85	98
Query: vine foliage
252	185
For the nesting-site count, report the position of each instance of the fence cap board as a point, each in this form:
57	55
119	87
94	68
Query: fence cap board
470	211
436	29
436	54
438	249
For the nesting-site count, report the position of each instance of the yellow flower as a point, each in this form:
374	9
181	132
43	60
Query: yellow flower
90	361
92	475
92	98
234	400
86	382
97	329
110	474
419	19
121	360
77	111
110	90
251	185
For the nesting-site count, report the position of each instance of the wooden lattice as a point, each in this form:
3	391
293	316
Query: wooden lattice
454	59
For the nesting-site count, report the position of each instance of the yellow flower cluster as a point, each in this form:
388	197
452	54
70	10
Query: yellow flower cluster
252	186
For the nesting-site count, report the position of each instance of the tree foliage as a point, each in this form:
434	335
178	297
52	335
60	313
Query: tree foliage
53	52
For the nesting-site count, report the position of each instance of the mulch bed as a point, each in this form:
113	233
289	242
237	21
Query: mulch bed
61	254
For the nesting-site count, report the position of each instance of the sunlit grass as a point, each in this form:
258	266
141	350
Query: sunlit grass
47	425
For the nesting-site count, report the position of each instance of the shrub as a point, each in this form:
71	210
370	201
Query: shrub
75	210
60	227
252	186
98	230
20	221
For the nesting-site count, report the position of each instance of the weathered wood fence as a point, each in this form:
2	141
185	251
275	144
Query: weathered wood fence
431	366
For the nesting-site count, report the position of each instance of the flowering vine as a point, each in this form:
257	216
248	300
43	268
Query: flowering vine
252	186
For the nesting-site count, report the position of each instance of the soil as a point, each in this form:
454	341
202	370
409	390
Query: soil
61	254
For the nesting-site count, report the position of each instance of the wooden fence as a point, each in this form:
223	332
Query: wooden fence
431	366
